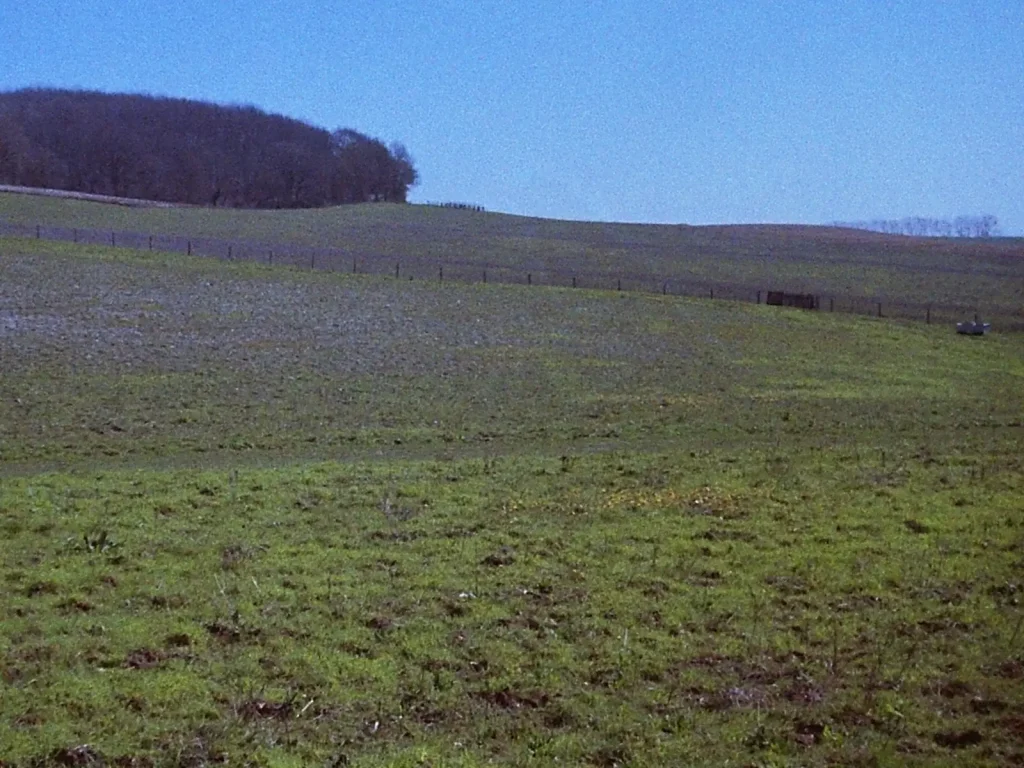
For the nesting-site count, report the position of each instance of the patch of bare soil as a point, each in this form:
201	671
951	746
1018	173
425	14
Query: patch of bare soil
506	698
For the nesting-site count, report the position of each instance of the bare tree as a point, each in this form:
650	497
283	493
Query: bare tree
917	226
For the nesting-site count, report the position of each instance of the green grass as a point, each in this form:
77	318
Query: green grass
986	275
268	517
139	355
644	608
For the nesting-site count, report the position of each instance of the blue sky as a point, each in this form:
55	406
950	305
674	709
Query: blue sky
803	111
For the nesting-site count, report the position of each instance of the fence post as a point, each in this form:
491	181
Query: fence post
189	247
619	283
113	240
151	242
664	288
879	309
37	231
230	257
529	278
440	274
758	297
574	281
832	304
397	267
485	277
270	257
312	260
355	266
712	291
928	315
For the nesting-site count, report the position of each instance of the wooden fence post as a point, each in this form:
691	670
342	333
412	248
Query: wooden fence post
928	315
832	304
312	260
529	278
620	284
485	277
664	288
397	267
758	297
574	281
189	247
230	257
879	309
37	232
113	240
440	274
270	257
712	292
151	242
355	266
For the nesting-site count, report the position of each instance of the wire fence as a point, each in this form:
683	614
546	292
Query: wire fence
413	267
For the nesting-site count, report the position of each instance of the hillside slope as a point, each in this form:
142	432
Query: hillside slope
824	260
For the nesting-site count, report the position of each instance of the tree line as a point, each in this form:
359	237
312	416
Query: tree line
920	226
459	206
186	151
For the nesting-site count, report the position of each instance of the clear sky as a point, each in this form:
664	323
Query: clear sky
803	111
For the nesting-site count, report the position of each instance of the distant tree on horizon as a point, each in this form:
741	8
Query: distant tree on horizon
918	226
186	151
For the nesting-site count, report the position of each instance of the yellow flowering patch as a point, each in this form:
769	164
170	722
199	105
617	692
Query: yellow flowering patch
708	500
635	498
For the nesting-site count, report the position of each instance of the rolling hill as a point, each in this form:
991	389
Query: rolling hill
983	275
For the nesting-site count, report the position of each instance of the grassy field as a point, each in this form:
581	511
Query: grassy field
984	275
271	517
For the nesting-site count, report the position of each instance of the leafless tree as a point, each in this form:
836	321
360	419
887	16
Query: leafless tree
917	226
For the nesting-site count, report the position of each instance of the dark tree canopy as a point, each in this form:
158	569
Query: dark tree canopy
194	152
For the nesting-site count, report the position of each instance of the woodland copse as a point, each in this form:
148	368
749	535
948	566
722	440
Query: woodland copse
191	152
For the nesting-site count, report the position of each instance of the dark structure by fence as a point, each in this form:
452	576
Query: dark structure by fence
800	300
539	273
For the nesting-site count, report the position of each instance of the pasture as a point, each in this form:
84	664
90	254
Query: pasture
262	516
855	266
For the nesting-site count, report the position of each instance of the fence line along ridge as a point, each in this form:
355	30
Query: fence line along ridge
412	267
